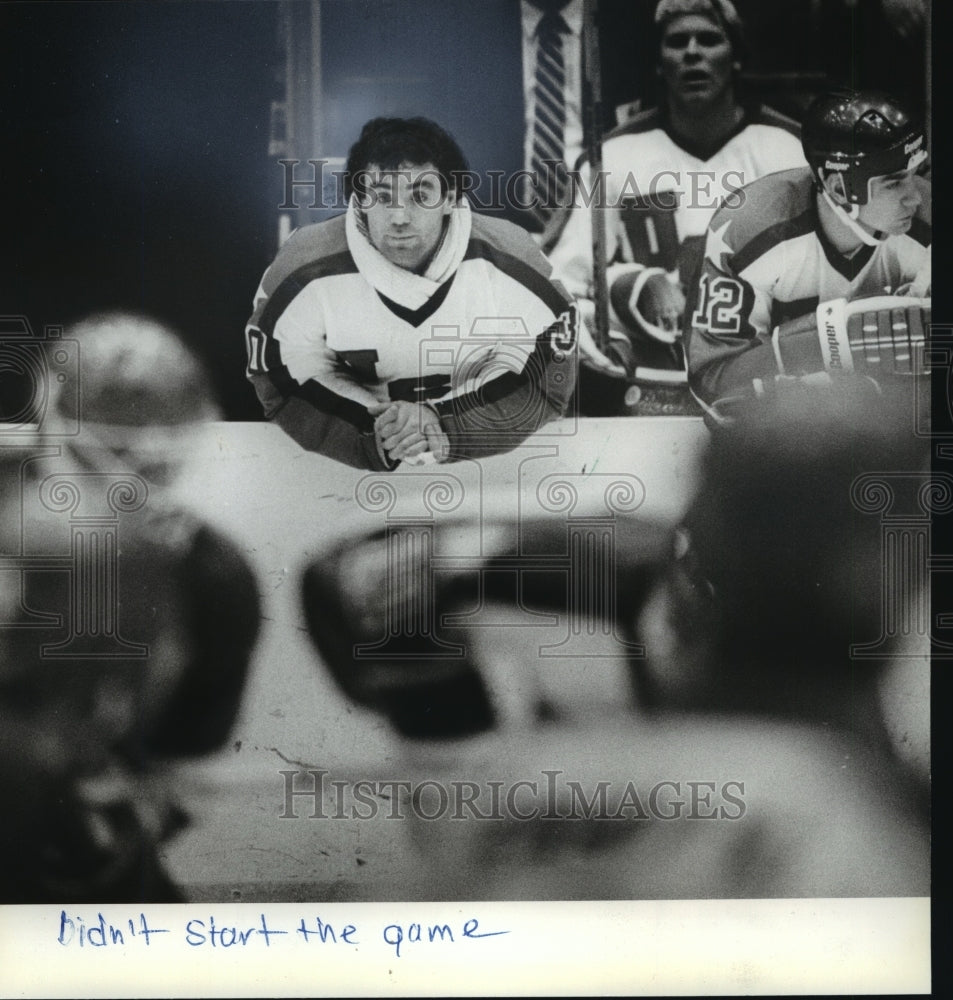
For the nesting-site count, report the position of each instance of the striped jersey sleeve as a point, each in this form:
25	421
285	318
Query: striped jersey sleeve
530	379
312	409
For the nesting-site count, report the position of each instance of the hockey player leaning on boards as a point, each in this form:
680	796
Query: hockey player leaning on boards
666	172
409	329
824	269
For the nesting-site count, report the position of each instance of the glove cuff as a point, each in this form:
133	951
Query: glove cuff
877	336
833	338
817	341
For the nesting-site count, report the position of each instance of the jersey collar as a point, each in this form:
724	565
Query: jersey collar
848	266
704	151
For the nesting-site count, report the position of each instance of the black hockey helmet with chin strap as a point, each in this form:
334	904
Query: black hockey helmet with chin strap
861	135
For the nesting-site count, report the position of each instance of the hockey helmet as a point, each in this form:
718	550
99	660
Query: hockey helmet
861	135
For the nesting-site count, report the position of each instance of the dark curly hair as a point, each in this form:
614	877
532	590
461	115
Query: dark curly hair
389	143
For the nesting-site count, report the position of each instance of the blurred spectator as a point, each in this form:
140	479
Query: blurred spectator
139	650
667	171
586	781
778	566
781	571
145	398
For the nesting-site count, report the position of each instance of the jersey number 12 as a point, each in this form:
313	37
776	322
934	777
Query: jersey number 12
719	305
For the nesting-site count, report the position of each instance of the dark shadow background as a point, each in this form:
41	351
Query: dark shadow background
135	161
136	170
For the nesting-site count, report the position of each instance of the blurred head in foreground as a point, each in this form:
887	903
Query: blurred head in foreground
780	565
142	391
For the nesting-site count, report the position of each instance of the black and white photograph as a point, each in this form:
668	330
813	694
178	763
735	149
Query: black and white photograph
473	497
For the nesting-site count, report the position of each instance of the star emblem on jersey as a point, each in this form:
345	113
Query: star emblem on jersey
717	247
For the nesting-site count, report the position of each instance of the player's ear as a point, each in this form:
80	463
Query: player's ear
834	185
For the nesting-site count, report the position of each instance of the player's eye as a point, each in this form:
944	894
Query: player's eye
678	40
426	197
709	39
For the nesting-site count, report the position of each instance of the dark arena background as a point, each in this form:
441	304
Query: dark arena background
154	157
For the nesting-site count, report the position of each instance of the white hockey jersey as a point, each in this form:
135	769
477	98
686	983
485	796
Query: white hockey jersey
767	260
491	348
660	196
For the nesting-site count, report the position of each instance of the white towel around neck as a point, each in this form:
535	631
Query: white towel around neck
401	286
